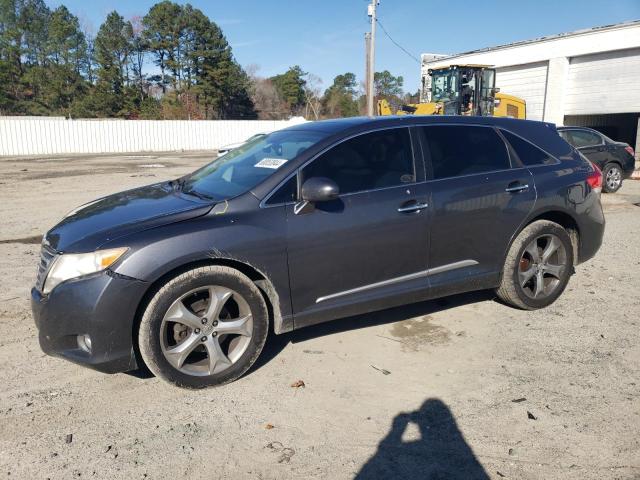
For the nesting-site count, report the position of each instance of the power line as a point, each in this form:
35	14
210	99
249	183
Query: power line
396	43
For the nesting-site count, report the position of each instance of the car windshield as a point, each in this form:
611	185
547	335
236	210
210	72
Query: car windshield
246	166
444	85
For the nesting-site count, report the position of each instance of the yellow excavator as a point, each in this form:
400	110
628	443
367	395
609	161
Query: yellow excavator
462	90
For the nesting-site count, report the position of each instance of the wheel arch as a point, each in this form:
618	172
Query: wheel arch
265	286
562	218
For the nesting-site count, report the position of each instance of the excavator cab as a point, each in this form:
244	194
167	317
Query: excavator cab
463	90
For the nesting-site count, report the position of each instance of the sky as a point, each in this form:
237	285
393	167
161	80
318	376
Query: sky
327	38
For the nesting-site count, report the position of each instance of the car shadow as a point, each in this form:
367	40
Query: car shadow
440	452
276	343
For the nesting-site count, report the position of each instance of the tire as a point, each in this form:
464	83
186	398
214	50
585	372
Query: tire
520	285
611	178
204	328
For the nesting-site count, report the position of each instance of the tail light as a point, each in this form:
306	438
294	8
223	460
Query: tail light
630	150
595	178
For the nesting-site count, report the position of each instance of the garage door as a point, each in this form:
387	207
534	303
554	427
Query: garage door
525	81
606	82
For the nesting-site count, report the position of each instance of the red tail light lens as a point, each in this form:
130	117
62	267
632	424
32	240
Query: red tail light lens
595	178
630	150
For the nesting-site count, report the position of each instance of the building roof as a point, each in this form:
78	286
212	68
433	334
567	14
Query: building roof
585	31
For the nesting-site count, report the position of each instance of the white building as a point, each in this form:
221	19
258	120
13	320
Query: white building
588	77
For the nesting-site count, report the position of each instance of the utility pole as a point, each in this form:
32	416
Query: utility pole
371	57
367	61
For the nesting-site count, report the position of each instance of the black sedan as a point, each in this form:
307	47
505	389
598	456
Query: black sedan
615	159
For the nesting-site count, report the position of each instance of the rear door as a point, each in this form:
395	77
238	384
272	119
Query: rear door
479	200
371	242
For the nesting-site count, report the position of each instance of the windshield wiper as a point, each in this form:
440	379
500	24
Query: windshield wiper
178	183
196	194
178	186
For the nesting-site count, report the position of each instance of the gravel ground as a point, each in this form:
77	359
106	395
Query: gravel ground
475	389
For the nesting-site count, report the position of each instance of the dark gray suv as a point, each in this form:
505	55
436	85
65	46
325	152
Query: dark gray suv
314	223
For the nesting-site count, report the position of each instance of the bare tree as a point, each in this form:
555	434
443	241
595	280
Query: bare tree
313	96
265	96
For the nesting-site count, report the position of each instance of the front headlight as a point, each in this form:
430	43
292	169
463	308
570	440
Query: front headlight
72	265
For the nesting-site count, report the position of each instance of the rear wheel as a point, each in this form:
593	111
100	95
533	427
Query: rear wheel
612	175
203	328
538	266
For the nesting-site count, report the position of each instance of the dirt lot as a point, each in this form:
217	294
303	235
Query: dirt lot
475	390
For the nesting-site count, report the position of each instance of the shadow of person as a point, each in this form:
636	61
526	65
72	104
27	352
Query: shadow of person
440	453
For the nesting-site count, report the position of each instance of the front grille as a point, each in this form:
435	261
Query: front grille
47	255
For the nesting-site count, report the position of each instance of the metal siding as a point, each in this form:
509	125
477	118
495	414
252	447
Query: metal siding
37	136
604	83
528	82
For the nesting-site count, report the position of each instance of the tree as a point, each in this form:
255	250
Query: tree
67	56
113	49
313	106
290	86
139	50
48	65
387	86
266	98
160	36
10	62
339	99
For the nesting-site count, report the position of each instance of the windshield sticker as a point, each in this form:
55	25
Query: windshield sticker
271	163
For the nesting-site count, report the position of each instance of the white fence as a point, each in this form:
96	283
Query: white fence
55	135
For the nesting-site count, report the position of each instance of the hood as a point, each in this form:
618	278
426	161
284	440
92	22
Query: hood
124	213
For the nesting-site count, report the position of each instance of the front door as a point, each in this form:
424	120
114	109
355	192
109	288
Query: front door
371	242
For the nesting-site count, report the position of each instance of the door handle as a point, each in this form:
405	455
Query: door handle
414	207
517	187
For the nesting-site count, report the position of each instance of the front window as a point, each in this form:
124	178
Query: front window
246	166
444	85
380	159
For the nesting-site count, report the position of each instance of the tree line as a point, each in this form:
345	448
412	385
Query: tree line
172	63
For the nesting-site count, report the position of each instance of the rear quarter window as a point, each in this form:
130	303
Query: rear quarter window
527	152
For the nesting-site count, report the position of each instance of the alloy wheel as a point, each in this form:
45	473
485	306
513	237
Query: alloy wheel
613	178
206	330
541	266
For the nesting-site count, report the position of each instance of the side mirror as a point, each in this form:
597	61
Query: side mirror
319	189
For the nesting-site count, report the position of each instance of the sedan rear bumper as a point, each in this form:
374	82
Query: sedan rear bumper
102	307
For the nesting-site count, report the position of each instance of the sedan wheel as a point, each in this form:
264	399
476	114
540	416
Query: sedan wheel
612	178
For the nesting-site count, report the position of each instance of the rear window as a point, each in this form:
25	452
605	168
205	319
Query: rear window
528	153
457	150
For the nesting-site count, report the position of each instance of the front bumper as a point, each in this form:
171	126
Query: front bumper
102	306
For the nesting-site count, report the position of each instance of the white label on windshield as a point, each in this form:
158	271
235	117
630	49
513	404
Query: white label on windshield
271	163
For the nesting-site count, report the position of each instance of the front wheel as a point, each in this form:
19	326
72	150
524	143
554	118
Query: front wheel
538	266
204	328
612	175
